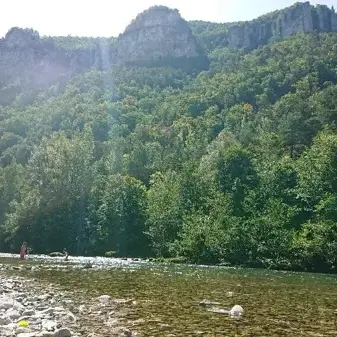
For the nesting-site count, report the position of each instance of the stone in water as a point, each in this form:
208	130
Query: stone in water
236	311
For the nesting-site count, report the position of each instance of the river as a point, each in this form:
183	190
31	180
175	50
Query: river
165	298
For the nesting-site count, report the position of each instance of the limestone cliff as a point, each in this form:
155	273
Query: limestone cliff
299	18
28	60
159	36
24	58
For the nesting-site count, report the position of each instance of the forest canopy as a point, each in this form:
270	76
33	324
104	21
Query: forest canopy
237	164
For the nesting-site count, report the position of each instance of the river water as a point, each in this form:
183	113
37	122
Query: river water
166	297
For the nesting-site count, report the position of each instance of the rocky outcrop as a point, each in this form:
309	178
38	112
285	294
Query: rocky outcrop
159	36
299	18
23	58
28	60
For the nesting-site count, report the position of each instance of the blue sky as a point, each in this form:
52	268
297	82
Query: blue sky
109	17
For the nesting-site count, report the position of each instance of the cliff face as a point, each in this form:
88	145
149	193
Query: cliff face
28	60
24	58
156	37
300	18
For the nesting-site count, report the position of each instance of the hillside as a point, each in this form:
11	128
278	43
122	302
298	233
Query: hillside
234	163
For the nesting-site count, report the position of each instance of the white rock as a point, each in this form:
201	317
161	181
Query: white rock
64	332
48	325
12	326
46	311
4	331
26	334
8	285
28	313
112	322
13	314
41	307
104	298
25	318
7	330
122	301
219	311
45	334
20	330
4	320
45	297
6	302
81	308
236	311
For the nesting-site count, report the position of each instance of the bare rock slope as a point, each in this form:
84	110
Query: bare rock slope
299	18
159	36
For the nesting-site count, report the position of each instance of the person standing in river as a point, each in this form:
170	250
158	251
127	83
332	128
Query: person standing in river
66	254
23	250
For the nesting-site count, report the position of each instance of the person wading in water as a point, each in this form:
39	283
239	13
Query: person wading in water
65	252
23	250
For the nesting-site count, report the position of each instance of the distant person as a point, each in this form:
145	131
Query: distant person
66	255
23	250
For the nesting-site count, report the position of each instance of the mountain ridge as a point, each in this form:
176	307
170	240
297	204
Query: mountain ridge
157	37
251	34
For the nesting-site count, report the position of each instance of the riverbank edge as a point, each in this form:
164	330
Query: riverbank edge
90	312
267	264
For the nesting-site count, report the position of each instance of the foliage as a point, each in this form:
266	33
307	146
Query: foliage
233	165
110	254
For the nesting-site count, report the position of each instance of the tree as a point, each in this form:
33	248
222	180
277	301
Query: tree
53	198
164	211
317	170
121	215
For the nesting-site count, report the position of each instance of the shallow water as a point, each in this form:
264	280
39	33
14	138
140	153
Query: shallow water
167	296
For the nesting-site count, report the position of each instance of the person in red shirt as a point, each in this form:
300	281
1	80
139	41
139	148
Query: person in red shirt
23	250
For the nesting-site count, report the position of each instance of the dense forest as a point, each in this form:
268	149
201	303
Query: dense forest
237	164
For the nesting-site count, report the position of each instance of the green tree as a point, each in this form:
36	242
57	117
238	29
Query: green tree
164	219
121	215
51	208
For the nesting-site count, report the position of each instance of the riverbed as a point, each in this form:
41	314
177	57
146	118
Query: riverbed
164	300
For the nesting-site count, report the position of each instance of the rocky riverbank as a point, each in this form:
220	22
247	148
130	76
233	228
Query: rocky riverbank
29	308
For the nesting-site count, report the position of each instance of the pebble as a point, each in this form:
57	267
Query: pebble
104	298
26	334
62	333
